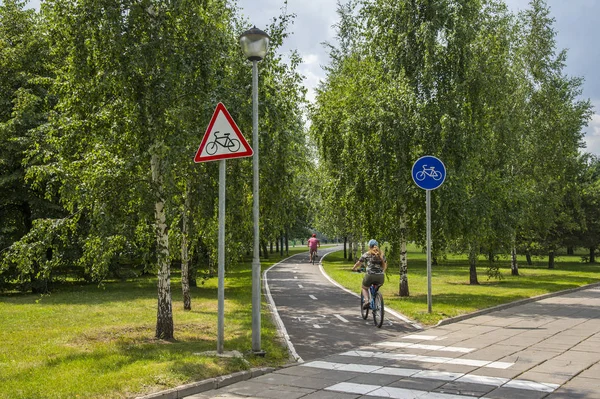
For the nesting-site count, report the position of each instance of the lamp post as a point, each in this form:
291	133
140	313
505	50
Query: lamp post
255	43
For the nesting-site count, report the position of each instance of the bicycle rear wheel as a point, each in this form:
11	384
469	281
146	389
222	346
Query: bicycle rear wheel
364	312
378	310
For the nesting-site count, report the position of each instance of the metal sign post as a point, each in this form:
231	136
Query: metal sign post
222	140
428	173
221	267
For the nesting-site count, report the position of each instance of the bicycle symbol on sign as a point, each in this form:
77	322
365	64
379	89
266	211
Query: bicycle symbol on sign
431	172
233	145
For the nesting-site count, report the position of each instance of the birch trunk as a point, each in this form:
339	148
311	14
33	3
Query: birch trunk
404	291
473	266
185	258
514	267
164	316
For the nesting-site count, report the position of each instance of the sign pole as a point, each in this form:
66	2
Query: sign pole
428	206
428	173
221	287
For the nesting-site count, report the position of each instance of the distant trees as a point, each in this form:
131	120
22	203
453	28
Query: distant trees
482	89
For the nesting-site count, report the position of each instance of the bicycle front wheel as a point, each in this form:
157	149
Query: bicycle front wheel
364	312
378	310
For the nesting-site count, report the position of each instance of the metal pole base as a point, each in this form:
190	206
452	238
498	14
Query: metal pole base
260	353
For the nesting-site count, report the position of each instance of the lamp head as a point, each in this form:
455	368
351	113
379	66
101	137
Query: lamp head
254	43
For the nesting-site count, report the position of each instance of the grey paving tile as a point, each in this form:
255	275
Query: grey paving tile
583	383
293	381
510	393
299	371
551	378
593	373
285	392
331	395
570	393
467	389
420	384
336	375
245	388
375	379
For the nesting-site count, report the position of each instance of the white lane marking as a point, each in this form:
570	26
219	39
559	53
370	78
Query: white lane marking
434	375
480	379
296	277
428	347
350	387
430	359
313	297
300	286
531	385
390	392
341	318
424	337
317	326
438	375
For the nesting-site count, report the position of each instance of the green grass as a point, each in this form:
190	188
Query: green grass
85	341
451	293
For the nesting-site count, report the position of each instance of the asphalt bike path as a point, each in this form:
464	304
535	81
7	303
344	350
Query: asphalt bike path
318	317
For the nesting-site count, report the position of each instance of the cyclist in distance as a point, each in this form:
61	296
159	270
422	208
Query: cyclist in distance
376	266
313	243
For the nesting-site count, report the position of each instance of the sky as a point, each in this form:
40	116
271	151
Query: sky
575	23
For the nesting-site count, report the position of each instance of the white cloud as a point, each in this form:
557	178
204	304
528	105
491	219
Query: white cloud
592	138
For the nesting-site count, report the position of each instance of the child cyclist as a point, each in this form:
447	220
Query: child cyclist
376	266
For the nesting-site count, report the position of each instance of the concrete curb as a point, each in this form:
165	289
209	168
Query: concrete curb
208	384
512	304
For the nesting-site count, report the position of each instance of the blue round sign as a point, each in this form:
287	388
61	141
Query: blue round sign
428	172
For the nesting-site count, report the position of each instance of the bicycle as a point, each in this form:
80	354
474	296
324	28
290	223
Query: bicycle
313	255
233	145
375	305
431	172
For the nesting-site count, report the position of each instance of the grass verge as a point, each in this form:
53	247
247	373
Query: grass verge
451	293
85	341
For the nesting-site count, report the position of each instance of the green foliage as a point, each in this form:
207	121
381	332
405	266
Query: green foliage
480	88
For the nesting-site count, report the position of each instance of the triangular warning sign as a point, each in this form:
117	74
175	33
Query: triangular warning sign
223	139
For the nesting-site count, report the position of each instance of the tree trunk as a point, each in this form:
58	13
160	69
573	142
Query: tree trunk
345	242
287	243
164	316
404	291
528	257
281	246
185	281
592	254
473	266
271	246
551	260
264	249
350	258
570	251
514	267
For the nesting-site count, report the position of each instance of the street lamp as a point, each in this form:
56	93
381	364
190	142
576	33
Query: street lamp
255	43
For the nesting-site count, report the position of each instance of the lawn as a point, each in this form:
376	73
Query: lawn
451	293
88	341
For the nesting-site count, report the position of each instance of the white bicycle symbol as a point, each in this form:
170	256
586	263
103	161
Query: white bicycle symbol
431	172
